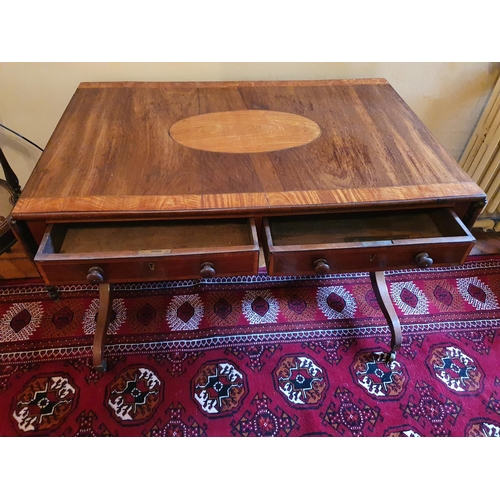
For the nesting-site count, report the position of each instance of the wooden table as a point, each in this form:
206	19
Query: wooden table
160	181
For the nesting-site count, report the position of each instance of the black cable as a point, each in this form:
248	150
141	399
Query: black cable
19	135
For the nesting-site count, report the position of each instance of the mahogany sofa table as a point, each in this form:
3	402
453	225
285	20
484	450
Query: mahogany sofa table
160	181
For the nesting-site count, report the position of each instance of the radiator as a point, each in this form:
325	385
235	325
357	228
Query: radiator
481	157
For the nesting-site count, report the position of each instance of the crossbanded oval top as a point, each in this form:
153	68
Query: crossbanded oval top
245	131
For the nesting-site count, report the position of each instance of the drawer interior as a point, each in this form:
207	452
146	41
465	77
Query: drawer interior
147	236
365	227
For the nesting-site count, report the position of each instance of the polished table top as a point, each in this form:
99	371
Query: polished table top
138	149
246	149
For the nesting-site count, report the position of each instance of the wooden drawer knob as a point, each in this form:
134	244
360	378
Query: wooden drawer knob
95	275
321	266
207	270
423	260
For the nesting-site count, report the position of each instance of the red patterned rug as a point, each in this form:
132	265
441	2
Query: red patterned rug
257	356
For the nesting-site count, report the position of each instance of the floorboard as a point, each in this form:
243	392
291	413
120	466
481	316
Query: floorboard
487	242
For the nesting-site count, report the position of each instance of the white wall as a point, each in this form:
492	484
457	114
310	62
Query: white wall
448	97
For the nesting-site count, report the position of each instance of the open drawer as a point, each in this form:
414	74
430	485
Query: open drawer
373	241
147	250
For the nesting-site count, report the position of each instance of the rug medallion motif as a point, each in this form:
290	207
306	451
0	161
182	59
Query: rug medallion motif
257	356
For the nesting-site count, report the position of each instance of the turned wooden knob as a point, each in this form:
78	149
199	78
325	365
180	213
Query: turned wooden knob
321	266
207	270
423	260
95	275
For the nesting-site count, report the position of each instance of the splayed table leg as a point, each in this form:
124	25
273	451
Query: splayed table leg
380	288
103	320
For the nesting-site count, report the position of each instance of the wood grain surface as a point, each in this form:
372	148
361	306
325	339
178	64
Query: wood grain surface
111	154
246	131
116	207
15	264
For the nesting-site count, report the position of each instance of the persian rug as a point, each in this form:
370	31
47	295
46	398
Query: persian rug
257	356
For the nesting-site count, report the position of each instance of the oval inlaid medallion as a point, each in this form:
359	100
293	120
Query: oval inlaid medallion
245	131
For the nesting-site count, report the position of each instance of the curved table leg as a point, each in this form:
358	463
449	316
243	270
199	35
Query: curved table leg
103	320
380	288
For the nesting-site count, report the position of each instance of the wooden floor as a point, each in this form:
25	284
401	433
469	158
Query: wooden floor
14	264
487	242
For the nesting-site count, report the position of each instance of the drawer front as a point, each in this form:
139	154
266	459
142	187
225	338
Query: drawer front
150	252
151	269
306	262
326	257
